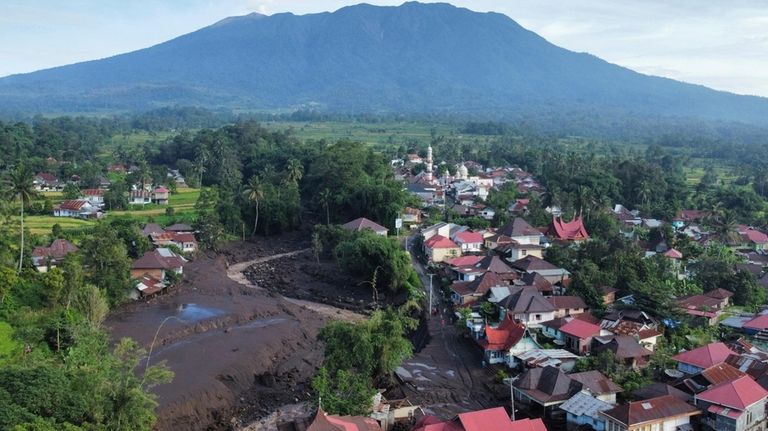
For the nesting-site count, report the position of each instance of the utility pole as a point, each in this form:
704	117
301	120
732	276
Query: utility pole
430	293
512	397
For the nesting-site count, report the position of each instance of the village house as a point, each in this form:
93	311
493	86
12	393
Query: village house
539	282
551	328
518	231
598	385
361	224
76	209
686	217
545	388
46	182
440	248
738	405
469	242
157	263
608	294
147	286
325	422
139	197
44	258
151	228
572	231
160	195
411	217
661	413
186	242
526	304
756	326
482	420
180	228
567	305
582	411
712	376
94	196
550	272
577	335
625	348
502	343
463	292
696	360
706	307
542	358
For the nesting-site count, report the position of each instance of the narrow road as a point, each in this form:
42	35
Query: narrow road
236	273
446	377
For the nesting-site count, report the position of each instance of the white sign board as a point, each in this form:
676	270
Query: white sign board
398	223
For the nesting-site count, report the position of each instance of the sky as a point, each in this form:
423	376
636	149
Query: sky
722	44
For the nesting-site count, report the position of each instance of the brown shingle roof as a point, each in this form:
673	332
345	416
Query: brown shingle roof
532	263
650	410
596	382
566	302
547	384
519	227
526	299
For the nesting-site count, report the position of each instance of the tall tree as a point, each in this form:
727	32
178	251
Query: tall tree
19	185
324	198
294	171
254	192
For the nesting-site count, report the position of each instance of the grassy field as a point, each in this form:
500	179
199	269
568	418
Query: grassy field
373	133
8	346
182	202
42	225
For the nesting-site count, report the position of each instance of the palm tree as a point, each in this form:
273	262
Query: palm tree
325	200
254	192
20	186
294	171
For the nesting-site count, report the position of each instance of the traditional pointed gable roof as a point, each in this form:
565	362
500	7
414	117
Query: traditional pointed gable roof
738	394
573	230
705	356
504	336
362	223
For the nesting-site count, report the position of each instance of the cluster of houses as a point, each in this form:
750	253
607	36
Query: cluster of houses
464	192
493	419
152	270
90	203
714	387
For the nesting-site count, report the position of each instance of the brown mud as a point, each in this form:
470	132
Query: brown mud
238	351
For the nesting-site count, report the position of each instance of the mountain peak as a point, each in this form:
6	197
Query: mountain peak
416	57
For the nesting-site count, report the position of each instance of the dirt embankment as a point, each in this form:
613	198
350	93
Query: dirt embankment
238	352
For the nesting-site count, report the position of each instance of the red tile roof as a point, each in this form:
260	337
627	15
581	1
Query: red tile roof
73	205
92	192
568	231
503	337
755	236
738	394
758	323
705	356
580	329
439	241
464	260
468	237
57	250
49	178
673	254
